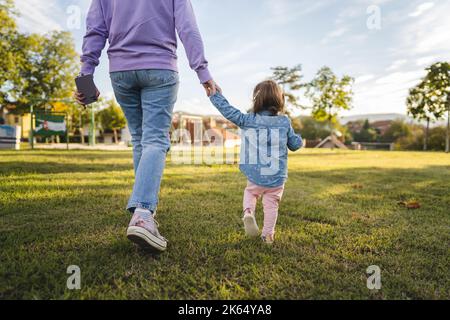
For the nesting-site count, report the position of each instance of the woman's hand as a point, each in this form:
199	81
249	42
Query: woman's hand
211	88
79	97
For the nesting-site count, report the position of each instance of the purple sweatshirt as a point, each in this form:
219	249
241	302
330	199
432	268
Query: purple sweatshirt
141	35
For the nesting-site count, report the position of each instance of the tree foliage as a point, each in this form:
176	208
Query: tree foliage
398	129
9	48
290	79
47	72
414	141
421	106
312	129
35	69
438	82
112	118
366	134
422	102
329	94
430	100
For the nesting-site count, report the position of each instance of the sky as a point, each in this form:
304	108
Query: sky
384	44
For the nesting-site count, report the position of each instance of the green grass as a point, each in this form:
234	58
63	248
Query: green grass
339	215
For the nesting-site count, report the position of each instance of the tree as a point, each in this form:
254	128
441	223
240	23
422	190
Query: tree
9	47
312	129
398	129
419	108
436	139
366	134
112	118
47	72
438	82
34	69
329	95
290	80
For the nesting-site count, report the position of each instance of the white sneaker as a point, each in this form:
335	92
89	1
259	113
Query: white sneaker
269	239
250	225
144	232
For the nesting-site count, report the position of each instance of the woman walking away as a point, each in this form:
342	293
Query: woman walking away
143	68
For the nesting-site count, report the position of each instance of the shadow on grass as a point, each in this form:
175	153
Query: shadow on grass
332	222
22	167
48	162
365	188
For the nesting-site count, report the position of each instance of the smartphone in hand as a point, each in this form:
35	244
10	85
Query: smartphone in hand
86	86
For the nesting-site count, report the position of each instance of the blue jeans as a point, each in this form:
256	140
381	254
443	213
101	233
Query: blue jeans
147	98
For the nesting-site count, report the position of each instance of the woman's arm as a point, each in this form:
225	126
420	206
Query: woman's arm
187	29
228	111
95	39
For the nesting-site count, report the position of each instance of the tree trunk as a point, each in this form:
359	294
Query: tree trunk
330	124
81	129
82	135
447	140
116	138
427	134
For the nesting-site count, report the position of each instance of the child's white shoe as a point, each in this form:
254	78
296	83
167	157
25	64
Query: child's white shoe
250	225
269	239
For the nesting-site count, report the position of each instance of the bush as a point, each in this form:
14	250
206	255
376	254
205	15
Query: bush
411	142
399	130
415	141
312	129
366	134
436	140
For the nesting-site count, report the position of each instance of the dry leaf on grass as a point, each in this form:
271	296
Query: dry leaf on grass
410	204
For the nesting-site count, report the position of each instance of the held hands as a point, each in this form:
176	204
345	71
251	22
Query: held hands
211	88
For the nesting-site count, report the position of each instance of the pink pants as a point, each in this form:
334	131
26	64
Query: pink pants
271	198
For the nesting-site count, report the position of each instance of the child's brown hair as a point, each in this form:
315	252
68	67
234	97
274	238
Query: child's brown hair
268	96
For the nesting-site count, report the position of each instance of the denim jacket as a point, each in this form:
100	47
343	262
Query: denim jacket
265	143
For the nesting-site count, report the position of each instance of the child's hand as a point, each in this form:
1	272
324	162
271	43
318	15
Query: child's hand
211	88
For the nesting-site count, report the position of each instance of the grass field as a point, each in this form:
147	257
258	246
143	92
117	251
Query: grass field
340	214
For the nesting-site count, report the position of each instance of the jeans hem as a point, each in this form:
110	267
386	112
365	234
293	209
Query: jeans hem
134	206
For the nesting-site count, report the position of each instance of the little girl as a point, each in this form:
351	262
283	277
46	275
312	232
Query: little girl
267	134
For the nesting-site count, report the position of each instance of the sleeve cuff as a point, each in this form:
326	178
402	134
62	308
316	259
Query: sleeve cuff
215	98
87	68
204	75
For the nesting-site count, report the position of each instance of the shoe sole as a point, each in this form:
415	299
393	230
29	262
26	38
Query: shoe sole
251	228
146	240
